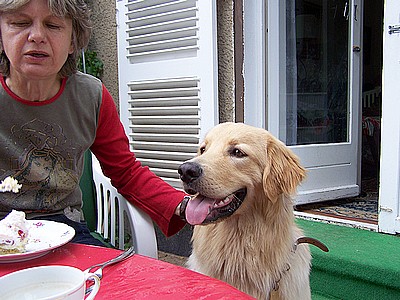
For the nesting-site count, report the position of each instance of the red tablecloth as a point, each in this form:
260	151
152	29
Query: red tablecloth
138	277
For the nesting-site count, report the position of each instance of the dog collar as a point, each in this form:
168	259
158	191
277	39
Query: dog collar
300	240
182	208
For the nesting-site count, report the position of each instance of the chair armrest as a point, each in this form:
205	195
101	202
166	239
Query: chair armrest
112	212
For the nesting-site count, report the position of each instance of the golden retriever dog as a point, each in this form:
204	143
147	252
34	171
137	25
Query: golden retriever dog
244	231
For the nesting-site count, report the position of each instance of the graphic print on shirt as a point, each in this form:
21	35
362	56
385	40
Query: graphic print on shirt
45	169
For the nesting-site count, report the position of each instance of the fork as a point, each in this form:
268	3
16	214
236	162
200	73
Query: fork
100	266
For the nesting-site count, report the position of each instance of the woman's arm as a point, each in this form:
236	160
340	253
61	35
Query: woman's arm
135	182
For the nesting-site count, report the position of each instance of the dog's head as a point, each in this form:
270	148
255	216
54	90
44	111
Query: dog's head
235	164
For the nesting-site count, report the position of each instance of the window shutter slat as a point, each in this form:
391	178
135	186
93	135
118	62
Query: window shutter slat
160	27
170	140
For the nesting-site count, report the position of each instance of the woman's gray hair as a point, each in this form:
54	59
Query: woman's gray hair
76	10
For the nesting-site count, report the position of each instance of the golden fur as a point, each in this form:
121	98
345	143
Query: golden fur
253	248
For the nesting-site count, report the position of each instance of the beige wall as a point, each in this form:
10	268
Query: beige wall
104	41
226	76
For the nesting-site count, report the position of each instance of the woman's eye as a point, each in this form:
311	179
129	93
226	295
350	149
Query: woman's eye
20	24
53	26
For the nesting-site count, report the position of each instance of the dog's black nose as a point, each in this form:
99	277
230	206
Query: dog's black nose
189	171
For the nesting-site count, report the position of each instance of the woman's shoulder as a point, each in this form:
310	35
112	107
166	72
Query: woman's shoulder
80	78
83	88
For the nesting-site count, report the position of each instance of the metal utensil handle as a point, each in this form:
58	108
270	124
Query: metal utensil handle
120	257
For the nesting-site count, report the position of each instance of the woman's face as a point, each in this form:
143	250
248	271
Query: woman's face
36	42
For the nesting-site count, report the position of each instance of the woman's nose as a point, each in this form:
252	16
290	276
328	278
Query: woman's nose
37	33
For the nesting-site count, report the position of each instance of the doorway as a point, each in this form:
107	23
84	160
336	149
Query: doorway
313	90
334	157
364	207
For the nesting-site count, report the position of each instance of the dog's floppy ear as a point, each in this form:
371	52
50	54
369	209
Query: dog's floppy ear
282	172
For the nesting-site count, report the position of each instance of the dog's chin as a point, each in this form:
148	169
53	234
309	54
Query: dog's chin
224	208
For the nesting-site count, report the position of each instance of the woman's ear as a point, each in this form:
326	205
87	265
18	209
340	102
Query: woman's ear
283	172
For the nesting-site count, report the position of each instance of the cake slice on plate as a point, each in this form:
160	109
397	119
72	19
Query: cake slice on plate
14	230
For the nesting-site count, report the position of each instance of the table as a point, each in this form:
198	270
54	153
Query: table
138	277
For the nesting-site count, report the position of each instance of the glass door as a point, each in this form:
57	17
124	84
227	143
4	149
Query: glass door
317	73
315	107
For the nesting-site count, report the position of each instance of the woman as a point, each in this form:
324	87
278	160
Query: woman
52	114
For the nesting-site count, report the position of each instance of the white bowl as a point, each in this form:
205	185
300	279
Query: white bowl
47	283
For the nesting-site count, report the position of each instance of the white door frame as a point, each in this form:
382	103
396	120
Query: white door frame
261	88
389	193
255	64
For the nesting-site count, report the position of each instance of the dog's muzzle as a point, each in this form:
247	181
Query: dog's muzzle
202	209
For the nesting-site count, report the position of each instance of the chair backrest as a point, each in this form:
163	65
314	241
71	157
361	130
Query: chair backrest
88	193
118	221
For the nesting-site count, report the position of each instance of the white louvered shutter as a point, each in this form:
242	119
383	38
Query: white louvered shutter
167	79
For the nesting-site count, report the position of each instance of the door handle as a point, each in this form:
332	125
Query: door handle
355	12
356	49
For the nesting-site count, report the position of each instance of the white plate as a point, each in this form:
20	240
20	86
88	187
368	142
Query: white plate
44	236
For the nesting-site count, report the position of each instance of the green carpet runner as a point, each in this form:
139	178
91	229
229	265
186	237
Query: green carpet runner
360	264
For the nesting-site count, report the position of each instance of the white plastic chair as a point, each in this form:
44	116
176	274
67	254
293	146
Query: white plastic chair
115	215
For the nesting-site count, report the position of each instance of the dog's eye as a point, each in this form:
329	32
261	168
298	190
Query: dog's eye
202	149
237	153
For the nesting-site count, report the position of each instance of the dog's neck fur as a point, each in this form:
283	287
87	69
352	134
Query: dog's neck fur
250	241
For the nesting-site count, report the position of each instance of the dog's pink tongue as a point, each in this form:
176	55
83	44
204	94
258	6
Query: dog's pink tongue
197	209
